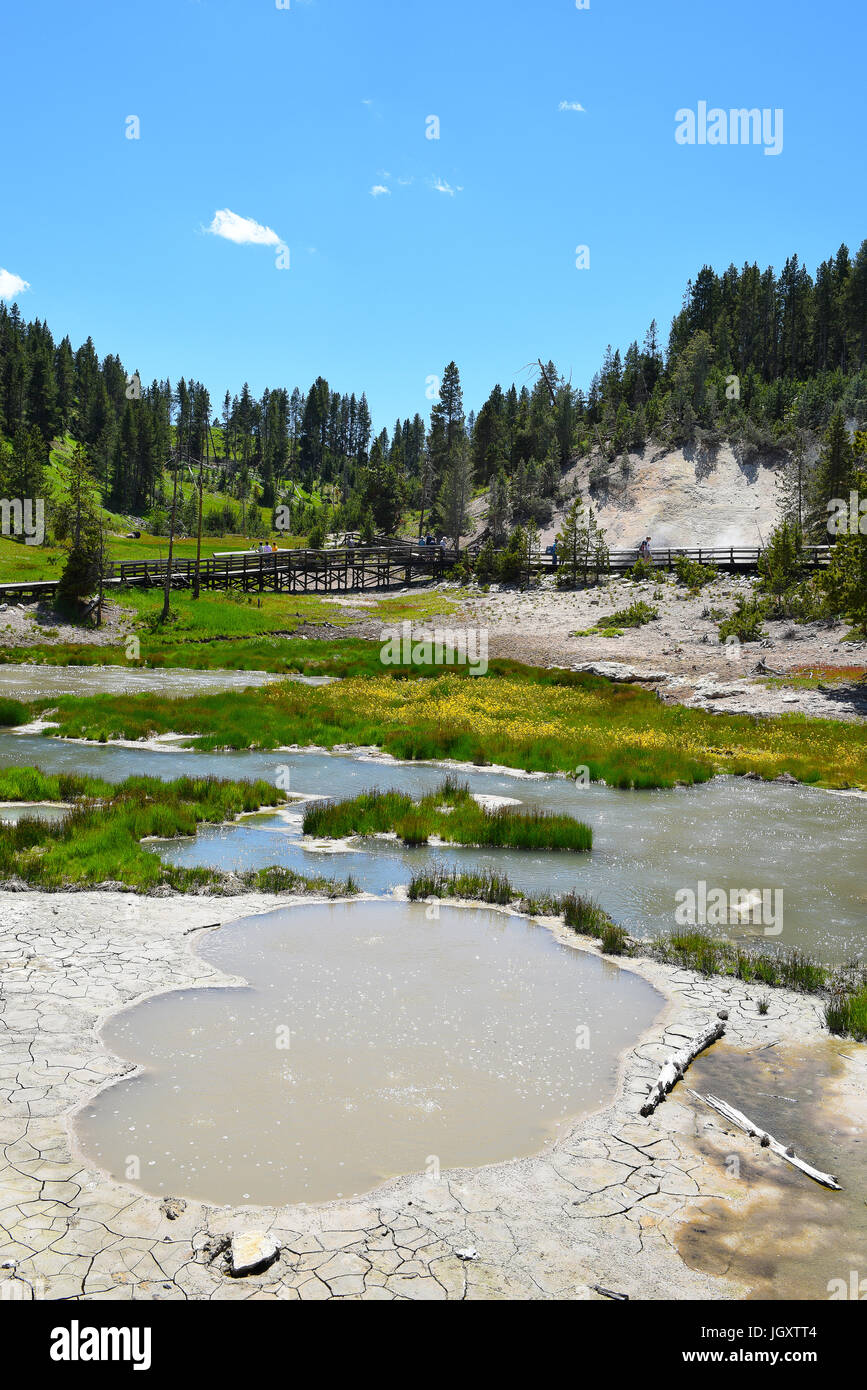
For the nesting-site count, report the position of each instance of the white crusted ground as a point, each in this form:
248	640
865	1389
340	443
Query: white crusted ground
603	1206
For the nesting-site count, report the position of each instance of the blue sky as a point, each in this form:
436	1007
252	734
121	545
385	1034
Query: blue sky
291	117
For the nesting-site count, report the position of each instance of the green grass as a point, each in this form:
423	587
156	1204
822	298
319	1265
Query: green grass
582	914
484	886
449	812
614	940
846	1014
99	840
280	655
12	712
540	720
784	969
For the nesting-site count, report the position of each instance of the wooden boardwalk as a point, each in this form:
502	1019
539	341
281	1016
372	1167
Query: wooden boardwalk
353	569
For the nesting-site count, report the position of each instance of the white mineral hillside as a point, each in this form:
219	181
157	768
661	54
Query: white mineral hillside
677	497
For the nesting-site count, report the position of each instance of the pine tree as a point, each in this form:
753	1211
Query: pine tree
833	474
845	580
25	474
499	510
79	523
456	490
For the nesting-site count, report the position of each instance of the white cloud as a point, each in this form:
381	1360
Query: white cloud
243	231
570	106
442	187
378	189
10	284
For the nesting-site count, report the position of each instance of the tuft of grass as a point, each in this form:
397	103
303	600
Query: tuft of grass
584	915
484	886
846	1013
783	969
449	812
614	940
12	712
100	839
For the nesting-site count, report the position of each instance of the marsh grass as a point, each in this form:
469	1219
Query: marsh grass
846	1013
582	914
12	712
99	840
614	941
784	969
540	720
449	812
485	886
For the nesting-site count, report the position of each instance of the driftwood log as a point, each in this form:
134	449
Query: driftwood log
677	1064
739	1119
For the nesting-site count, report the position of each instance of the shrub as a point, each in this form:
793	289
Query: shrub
745	621
641	570
486	563
636	615
693	574
781	563
511	560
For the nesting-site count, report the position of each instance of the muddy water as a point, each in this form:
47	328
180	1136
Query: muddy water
412	1042
793	1236
34	682
730	833
12	812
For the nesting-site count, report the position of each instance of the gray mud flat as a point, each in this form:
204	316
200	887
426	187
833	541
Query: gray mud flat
606	1203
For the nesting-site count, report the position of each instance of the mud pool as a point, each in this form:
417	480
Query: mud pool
372	1039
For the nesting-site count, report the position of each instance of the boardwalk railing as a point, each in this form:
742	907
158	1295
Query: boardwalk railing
381	566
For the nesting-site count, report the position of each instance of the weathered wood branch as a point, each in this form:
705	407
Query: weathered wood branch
738	1118
677	1064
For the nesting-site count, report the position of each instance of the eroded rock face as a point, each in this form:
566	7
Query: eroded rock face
252	1251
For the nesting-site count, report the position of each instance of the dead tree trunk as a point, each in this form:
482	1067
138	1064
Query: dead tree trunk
737	1117
678	1063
